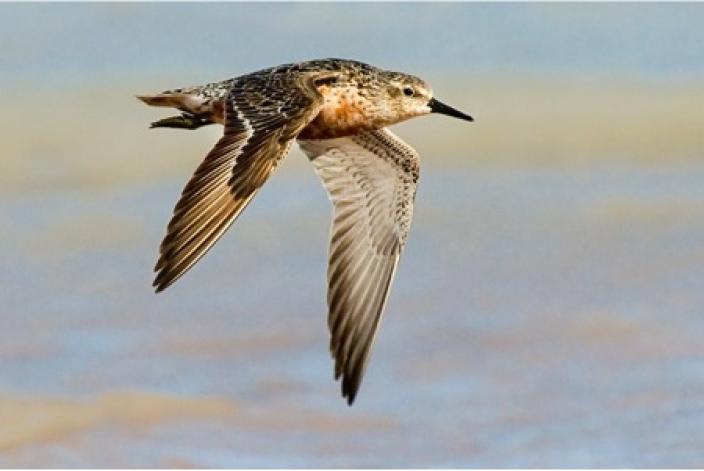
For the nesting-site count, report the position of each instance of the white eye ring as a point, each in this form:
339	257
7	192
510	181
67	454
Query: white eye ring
408	91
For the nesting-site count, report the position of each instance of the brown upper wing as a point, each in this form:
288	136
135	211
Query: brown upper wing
371	180
263	114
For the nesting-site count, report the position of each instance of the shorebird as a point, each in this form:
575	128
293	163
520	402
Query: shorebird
338	111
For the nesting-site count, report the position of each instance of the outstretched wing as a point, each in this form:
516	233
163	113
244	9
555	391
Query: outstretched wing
263	114
371	180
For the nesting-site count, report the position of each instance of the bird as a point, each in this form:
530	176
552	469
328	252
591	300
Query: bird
338	111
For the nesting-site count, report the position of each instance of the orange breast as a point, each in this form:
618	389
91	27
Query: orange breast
344	112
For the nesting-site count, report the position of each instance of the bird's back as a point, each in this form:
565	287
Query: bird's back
204	104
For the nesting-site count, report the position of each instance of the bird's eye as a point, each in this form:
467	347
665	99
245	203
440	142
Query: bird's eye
408	91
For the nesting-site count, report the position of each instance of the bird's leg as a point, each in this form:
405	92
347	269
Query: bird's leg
185	121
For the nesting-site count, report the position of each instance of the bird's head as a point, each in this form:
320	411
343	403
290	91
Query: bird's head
406	96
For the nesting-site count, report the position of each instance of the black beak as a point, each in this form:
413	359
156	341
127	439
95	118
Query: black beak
439	107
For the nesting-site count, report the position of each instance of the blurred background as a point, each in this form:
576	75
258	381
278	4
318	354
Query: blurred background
549	308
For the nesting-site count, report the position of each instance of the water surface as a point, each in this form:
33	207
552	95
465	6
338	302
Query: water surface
540	317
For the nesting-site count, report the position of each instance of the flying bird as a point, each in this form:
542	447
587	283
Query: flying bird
338	111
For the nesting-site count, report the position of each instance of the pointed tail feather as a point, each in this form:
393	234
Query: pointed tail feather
171	100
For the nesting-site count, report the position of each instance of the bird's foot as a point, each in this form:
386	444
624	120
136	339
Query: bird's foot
185	121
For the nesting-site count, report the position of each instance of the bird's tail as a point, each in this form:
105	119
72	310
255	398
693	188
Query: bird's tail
196	112
167	99
201	105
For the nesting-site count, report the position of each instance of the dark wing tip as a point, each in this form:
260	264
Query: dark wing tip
350	377
350	399
349	391
350	395
351	381
159	283
164	278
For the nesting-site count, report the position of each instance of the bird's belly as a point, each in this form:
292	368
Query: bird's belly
321	128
